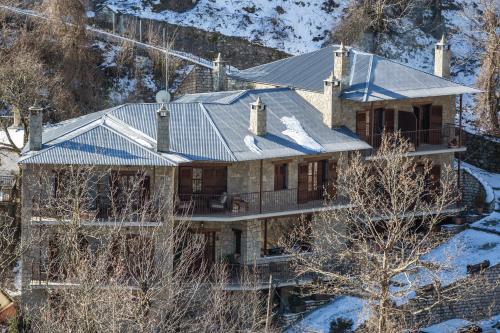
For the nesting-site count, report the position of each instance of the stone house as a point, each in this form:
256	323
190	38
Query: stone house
250	164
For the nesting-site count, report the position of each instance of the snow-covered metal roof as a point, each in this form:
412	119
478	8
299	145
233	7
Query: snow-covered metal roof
372	77
203	127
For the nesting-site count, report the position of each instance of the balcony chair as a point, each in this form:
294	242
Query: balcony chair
220	203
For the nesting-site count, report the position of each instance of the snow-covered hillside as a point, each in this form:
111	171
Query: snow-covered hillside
301	26
293	26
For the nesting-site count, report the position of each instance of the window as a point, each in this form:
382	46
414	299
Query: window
280	176
197	180
312	176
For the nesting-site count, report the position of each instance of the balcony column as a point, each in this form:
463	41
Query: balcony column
252	238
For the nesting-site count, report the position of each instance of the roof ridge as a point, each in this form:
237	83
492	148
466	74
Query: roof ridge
77	131
209	118
368	78
287	58
129	127
135	143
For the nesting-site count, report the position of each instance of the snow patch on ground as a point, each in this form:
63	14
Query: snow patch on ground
346	307
123	88
489	223
16	134
295	131
250	143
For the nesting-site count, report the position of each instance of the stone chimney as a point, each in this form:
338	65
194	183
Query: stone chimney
219	74
442	56
332	112
35	126
16	114
163	130
341	68
258	118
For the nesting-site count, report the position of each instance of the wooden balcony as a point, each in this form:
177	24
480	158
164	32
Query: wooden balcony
254	203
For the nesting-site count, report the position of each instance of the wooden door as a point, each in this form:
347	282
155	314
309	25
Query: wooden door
332	179
302	182
436	124
185	181
389	120
280	176
311	181
408	126
207	256
214	180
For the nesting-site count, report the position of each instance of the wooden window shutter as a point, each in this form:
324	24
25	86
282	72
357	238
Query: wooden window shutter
436	123
436	117
185	180
389	120
361	124
302	182
280	176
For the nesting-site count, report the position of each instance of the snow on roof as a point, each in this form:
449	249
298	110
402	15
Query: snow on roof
449	326
346	307
250	143
295	131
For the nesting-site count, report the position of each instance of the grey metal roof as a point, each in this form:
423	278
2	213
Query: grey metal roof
214	128
372	77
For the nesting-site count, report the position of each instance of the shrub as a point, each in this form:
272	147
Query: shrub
341	325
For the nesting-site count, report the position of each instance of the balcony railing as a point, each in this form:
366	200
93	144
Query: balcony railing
7	183
282	272
241	204
445	137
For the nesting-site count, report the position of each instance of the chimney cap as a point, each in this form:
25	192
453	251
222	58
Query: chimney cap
332	79
162	111
218	60
341	49
258	102
35	108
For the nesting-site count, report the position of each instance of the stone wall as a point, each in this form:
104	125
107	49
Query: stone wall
471	188
199	80
238	52
476	306
482	152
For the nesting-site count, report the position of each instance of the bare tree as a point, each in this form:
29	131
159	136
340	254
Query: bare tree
374	17
488	105
374	248
23	83
126	264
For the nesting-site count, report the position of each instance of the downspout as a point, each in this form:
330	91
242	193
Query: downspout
459	155
371	124
265	237
260	188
